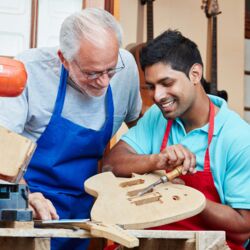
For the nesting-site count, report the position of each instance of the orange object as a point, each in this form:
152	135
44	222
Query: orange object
13	77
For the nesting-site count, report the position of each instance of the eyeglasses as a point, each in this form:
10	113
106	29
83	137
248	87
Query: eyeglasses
95	74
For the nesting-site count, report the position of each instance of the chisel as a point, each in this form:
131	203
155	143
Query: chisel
165	178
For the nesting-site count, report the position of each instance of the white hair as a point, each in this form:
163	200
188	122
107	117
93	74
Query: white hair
90	24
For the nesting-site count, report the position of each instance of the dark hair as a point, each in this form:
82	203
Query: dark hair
172	48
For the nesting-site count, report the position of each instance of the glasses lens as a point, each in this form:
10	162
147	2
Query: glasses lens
109	72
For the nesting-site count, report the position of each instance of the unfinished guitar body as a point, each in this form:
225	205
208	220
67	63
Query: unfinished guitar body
117	201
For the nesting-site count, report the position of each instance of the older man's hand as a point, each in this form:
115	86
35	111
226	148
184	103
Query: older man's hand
42	208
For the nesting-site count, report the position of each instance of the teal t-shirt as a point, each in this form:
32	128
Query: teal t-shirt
229	149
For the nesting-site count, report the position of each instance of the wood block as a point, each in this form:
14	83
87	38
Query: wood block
44	233
15	154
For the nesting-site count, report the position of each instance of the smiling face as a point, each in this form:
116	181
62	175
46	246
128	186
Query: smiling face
93	59
172	91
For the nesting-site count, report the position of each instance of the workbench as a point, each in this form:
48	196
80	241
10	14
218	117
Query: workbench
22	236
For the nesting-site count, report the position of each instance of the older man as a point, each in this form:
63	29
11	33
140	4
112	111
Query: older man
76	98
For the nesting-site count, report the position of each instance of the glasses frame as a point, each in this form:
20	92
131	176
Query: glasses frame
95	74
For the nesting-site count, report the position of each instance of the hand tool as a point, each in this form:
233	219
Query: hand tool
163	179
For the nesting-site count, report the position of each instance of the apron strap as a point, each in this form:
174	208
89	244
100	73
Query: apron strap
61	92
210	135
110	113
167	132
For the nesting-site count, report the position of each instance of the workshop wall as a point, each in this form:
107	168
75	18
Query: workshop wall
185	15
188	17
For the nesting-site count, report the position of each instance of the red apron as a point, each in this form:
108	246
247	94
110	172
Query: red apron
202	181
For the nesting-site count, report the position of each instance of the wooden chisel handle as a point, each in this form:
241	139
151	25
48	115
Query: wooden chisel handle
165	178
174	173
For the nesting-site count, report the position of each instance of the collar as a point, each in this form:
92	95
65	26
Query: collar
220	118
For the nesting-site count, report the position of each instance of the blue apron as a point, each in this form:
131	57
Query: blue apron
67	154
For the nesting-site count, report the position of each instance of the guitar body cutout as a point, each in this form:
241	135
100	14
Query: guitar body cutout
117	201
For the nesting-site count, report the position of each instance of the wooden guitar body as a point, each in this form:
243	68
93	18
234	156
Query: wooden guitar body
117	202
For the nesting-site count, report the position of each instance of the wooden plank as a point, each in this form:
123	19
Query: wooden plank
174	234
16	152
46	233
111	232
149	239
162	234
